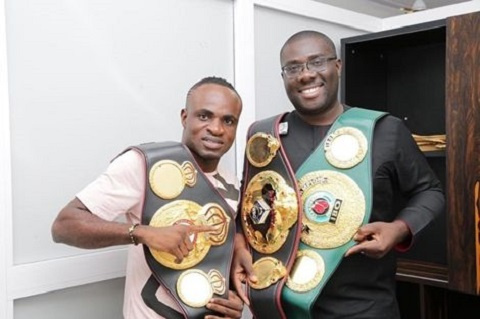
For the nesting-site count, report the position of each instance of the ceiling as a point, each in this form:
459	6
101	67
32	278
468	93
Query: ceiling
386	8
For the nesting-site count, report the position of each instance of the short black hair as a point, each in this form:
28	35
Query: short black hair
213	80
309	34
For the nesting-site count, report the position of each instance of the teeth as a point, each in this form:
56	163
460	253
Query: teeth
310	90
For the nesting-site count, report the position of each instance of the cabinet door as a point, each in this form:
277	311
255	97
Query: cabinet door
463	152
402	71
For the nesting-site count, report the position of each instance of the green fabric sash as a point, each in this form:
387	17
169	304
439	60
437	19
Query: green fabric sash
299	304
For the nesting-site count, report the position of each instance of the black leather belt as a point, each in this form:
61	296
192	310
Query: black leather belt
178	192
269	216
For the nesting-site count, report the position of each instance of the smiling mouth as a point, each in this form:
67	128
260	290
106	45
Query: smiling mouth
311	92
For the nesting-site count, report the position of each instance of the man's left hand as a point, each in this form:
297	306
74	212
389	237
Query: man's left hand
376	239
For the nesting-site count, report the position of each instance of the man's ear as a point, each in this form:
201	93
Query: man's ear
339	67
183	116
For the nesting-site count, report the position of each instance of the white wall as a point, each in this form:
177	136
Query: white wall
100	300
273	28
87	78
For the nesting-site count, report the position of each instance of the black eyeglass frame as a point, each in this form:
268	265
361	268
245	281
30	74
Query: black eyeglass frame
308	65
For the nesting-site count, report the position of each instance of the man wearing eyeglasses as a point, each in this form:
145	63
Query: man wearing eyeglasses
337	171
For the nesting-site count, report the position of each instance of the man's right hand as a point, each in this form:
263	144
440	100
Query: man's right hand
175	240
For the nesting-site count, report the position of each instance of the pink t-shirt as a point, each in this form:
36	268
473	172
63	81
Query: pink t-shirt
118	193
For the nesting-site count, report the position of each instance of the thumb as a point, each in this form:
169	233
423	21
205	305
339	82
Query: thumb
248	266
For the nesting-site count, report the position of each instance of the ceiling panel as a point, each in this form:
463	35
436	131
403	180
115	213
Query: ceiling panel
387	8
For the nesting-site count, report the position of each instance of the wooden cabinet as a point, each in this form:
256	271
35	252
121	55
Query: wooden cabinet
429	76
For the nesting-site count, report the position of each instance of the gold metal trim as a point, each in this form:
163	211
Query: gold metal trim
261	149
178	212
214	215
194	288
268	271
189	173
346	147
269	210
307	271
333	208
168	179
191	213
217	281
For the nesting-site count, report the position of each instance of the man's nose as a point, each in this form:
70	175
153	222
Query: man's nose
306	73
216	127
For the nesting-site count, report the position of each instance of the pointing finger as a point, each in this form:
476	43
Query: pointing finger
202	228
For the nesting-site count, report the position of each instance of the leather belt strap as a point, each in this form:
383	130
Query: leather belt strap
150	299
298	305
203	192
265	303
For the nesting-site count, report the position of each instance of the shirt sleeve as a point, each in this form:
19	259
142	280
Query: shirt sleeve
418	183
119	191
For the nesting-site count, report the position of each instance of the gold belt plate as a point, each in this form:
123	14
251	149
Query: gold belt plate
261	149
333	208
268	270
269	210
345	147
190	213
168	178
307	271
195	288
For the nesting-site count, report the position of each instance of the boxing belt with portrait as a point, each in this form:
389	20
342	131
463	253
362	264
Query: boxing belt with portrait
177	192
335	183
269	216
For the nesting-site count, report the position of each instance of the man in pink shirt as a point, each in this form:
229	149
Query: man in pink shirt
90	220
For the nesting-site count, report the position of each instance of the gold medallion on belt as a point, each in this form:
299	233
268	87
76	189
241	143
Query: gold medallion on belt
345	147
307	271
269	210
333	208
261	149
268	270
168	178
195	287
185	212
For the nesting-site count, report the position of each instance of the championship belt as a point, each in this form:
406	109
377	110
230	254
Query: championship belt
269	214
336	190
178	192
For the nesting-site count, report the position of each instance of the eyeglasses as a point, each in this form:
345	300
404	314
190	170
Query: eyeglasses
316	65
